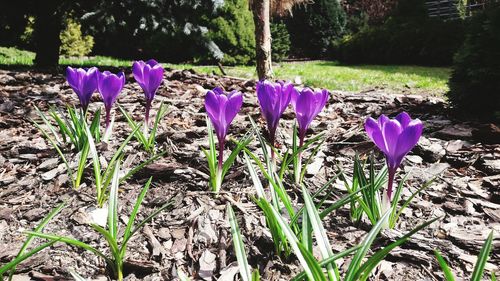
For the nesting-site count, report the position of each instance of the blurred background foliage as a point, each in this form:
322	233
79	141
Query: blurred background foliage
385	32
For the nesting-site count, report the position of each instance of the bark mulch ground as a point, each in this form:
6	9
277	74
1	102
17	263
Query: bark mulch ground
194	233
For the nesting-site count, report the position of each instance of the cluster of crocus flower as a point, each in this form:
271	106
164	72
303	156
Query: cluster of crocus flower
85	82
274	98
395	138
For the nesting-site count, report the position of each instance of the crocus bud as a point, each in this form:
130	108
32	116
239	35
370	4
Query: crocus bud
149	76
83	82
109	86
222	109
395	138
273	99
307	105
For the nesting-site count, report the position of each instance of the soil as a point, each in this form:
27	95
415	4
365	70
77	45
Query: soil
194	234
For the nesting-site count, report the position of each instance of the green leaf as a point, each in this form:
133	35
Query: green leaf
39	228
255	178
96	165
113	245
444	266
484	254
46	121
308	262
70	241
76	276
56	147
146	220
162	110
395	217
232	157
365	270
329	260
239	247
255	275
365	246
133	215
142	165
135	128
320	234
113	204
19	259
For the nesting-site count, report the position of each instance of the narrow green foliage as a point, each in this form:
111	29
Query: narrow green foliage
148	141
76	276
19	259
117	245
71	126
239	247
30	238
320	234
482	258
72	129
217	173
444	266
478	272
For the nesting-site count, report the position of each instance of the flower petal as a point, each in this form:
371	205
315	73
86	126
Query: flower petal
391	131
409	138
374	131
404	119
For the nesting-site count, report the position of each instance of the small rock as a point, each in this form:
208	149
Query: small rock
98	216
49	164
456	145
414	159
6	213
491	167
178	233
7	79
34	214
430	149
314	167
207	265
47	176
489	133
7	106
164	233
457	131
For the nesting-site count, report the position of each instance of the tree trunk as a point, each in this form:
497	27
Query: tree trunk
48	25
261	14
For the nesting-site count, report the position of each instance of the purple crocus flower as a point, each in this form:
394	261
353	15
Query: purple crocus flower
110	86
395	138
273	99
221	109
83	82
149	75
307	105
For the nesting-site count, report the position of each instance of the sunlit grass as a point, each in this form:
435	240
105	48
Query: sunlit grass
324	74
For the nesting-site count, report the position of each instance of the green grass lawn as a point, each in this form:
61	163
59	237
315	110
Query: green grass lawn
325	74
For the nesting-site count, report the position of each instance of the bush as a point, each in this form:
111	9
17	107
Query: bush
475	80
73	42
313	28
425	42
232	31
280	43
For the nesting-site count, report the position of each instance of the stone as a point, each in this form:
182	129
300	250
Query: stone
207	265
430	149
491	167
457	131
488	133
34	214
